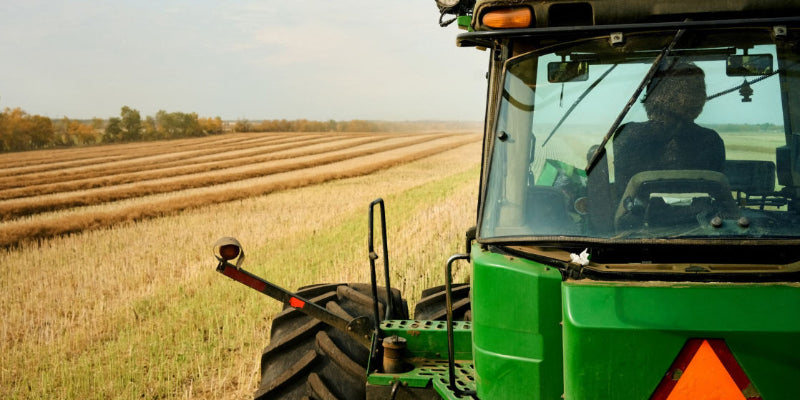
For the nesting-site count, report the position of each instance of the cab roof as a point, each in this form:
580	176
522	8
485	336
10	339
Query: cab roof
563	13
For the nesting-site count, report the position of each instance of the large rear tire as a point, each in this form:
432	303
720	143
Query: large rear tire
308	359
433	304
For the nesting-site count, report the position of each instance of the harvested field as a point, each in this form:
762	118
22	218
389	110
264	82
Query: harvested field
192	172
128	305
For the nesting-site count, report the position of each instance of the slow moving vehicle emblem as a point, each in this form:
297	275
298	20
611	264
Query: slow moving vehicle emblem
705	369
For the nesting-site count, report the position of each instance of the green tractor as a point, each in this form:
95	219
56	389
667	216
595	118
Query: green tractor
638	224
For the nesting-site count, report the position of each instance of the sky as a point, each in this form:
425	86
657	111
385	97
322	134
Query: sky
267	59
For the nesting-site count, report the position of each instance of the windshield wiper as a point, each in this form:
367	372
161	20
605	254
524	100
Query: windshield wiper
598	153
577	101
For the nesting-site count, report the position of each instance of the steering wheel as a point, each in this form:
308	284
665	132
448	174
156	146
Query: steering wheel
672	197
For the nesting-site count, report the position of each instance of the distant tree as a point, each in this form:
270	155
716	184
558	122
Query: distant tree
150	129
113	132
358	125
242	125
62	136
40	130
12	136
189	124
98	124
75	133
3	131
165	124
82	134
178	124
131	124
210	126
21	131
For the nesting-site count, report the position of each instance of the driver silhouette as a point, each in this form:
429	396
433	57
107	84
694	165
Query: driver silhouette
669	140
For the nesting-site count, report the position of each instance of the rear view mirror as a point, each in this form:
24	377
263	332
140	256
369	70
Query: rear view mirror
749	65
567	71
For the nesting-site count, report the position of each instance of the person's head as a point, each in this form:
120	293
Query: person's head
676	93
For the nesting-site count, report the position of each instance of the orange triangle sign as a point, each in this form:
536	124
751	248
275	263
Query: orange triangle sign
705	378
705	369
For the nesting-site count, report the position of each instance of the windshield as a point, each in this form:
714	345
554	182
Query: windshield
706	151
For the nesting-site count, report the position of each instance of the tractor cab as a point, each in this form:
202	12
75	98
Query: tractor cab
650	141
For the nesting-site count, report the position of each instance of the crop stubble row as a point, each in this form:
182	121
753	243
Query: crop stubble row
146	160
22	160
217	186
63	164
78	155
107	176
34	205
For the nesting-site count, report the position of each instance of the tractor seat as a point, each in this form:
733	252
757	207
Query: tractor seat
753	181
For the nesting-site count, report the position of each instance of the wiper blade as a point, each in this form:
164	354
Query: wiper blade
598	153
578	101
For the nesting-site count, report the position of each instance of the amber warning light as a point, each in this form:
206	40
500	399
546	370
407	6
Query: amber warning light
503	18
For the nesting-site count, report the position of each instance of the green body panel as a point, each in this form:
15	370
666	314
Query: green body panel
516	329
621	338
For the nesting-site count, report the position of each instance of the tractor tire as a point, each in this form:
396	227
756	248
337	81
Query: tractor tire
433	304
308	359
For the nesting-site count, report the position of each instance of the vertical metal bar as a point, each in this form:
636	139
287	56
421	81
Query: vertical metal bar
373	256
389	302
448	283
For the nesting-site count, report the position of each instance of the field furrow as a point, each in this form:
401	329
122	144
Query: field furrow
46	158
32	205
151	153
147	162
40	157
24	159
108	177
222	187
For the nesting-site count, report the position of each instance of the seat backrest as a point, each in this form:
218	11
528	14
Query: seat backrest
754	178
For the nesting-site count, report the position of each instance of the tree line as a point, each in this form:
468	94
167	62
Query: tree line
22	131
304	125
130	127
748	128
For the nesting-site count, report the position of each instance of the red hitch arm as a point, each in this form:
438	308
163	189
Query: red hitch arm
359	328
